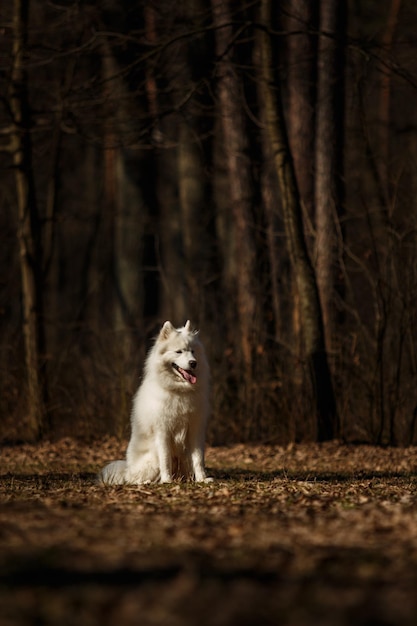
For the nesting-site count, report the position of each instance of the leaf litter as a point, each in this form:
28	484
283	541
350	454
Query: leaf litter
301	534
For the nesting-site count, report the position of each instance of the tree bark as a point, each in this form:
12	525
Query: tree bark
302	77
191	196
304	274
238	166
385	100
29	235
122	212
329	156
165	135
192	179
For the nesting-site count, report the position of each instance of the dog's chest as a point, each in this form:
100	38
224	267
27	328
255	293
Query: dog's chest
178	429
177	417
179	439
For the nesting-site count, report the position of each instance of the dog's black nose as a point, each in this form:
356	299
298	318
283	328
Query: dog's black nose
192	364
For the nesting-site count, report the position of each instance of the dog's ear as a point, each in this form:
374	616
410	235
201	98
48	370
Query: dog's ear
166	330
188	328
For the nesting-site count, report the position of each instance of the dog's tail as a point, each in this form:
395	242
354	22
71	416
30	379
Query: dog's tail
113	474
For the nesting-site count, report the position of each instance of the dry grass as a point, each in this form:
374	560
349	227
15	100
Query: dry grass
294	536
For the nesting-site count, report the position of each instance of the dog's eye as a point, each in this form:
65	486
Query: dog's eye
178	351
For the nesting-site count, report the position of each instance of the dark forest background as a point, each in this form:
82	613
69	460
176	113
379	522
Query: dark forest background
251	166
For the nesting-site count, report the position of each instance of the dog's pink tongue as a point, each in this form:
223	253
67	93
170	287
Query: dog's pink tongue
188	376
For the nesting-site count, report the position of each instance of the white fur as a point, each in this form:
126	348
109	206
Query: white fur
169	414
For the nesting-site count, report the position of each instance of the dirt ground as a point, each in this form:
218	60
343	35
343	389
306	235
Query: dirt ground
288	536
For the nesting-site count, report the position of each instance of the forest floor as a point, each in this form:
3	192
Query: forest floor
285	536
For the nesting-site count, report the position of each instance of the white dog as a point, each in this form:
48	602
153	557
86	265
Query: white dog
169	414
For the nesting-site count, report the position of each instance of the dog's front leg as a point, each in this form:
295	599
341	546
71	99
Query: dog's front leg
164	457
197	460
196	447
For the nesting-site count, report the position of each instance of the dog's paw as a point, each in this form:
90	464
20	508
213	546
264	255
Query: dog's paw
207	479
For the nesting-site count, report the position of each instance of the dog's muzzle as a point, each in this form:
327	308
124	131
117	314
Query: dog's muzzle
187	374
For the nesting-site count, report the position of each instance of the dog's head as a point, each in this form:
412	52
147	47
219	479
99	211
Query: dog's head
182	353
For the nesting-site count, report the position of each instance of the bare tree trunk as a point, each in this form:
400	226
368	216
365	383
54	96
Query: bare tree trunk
329	156
302	77
270	202
122	215
108	224
174	289
173	292
301	96
191	195
238	165
52	296
192	179
29	236
385	99
303	270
